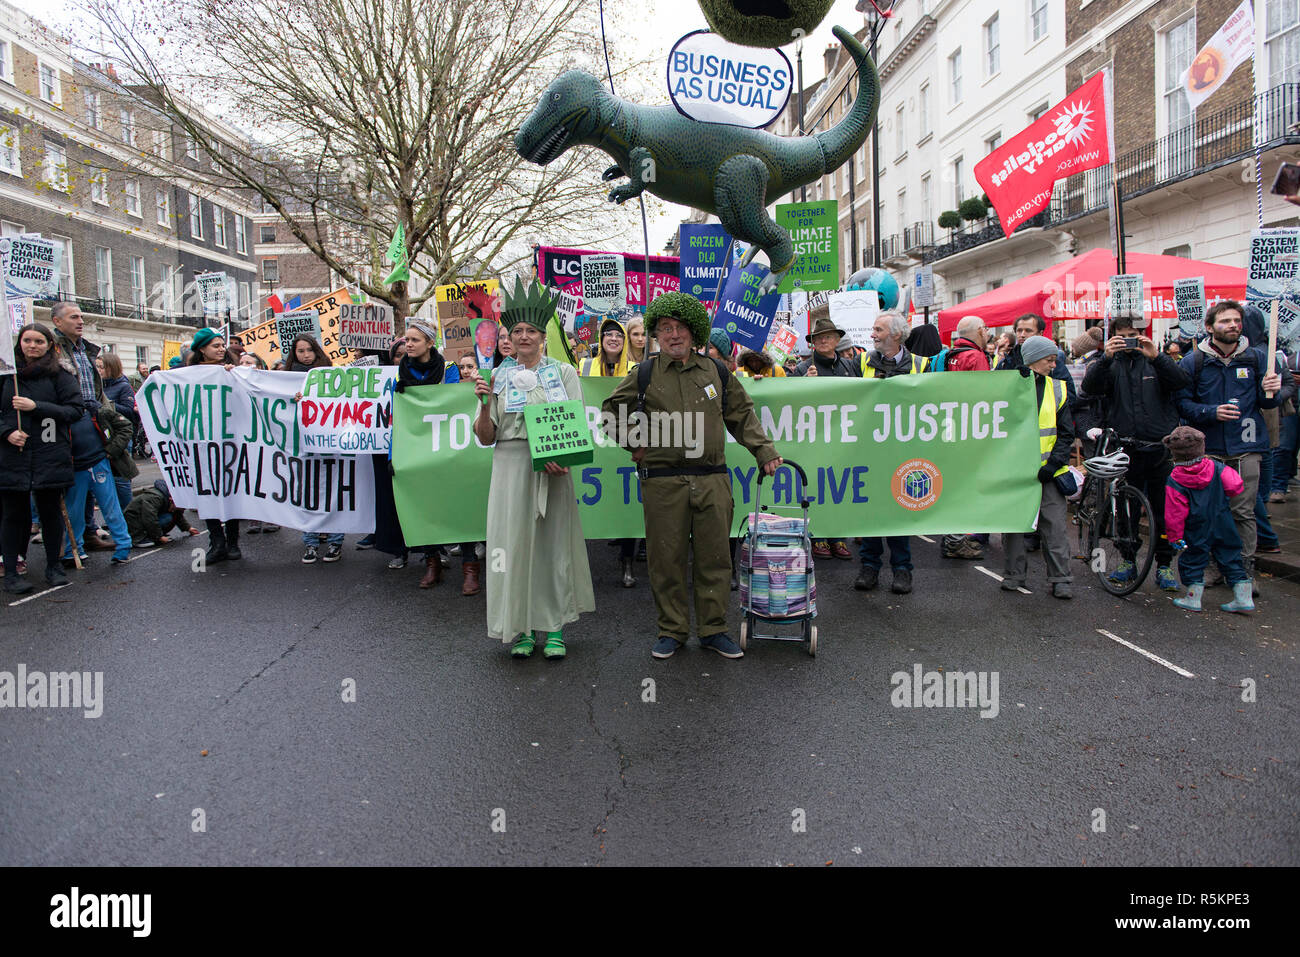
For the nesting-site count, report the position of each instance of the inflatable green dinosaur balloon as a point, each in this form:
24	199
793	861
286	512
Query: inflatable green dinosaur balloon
730	171
764	23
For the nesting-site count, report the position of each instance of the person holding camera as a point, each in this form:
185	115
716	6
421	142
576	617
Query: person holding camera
1138	385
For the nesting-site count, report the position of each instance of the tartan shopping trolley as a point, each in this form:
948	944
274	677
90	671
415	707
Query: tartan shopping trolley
777	586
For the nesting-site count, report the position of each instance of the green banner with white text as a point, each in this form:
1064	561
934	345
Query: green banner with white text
912	455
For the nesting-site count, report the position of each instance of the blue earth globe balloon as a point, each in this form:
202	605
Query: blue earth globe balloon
885	285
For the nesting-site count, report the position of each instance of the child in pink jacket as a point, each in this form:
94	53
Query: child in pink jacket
1199	521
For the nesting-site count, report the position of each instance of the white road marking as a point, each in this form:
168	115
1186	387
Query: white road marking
996	577
37	595
1146	654
926	538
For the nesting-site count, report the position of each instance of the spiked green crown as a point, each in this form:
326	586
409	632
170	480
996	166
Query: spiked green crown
531	303
682	307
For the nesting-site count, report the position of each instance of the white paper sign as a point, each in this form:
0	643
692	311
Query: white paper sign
1126	296
300	322
1189	301
604	288
923	288
212	290
855	312
31	267
567	308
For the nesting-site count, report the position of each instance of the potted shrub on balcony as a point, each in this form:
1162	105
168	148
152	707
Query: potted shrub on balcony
974	209
950	219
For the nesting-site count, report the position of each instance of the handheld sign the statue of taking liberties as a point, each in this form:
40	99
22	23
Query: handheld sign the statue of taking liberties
288	325
368	326
604	287
713	80
1126	297
31	267
558	432
1189	302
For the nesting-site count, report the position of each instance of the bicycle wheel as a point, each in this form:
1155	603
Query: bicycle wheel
1121	556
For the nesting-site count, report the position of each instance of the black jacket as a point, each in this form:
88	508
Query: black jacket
1013	361
41	464
840	367
119	392
1137	393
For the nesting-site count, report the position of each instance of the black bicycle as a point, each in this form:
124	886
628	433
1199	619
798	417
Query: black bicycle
1111	515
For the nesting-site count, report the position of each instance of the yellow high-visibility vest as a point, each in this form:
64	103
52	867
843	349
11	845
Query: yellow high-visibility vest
1047	421
919	364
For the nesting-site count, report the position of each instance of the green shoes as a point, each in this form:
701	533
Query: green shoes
524	646
554	647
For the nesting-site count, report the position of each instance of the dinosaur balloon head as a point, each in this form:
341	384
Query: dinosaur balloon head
562	118
764	23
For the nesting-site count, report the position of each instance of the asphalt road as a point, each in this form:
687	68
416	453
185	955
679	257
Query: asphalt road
449	736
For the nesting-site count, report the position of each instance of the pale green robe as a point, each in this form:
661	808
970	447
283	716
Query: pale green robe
538	578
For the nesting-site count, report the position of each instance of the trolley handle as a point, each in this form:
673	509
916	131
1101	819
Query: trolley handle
803	478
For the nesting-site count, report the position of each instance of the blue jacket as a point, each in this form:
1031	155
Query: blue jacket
1219	382
120	393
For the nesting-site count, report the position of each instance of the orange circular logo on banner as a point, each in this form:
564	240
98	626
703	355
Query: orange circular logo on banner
1206	70
916	484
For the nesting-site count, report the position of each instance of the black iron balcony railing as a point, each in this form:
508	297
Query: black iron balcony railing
918	237
891	247
1214	140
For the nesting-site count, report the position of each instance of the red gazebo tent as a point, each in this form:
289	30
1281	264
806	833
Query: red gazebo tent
1078	289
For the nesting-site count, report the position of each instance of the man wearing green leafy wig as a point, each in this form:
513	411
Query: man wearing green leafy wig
681	456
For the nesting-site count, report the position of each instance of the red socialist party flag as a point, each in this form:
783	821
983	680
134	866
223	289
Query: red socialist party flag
1069	138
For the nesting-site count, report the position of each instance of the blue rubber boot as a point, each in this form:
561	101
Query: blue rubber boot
1192	601
1241	599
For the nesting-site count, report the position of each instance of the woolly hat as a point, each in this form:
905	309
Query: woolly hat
202	338
174	362
1185	443
682	307
845	343
1087	342
719	339
1035	348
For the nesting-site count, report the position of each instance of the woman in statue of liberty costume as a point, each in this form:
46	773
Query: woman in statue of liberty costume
538	579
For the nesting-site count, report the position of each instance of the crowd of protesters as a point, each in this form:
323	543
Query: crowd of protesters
1199	420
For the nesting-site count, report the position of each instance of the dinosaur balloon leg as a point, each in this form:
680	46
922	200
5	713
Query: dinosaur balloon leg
738	180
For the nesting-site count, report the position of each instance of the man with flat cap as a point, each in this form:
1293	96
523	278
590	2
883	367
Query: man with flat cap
685	488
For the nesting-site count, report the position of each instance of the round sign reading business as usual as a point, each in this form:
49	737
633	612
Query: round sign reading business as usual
713	80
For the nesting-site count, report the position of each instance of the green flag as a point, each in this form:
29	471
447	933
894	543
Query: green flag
397	256
557	344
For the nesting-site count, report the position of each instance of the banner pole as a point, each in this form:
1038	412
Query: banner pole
72	539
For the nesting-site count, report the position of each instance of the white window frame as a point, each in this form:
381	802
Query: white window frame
992	142
954	77
241	239
10	134
924	105
958	167
94	115
55	173
6	61
927	198
1163	94
131	190
128	126
66	270
1275	71
1037	7
196	216
103	264
162	146
902	213
137	281
218	226
56	84
992	35
900	134
163	210
271	260
10	229
191	148
99	187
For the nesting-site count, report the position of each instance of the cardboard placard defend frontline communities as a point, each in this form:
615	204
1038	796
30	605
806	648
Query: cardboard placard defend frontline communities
368	326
